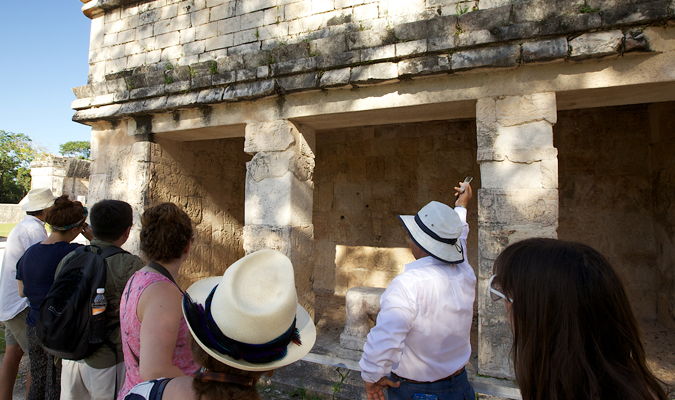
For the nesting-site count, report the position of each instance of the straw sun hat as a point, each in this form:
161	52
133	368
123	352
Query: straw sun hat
250	318
435	229
37	199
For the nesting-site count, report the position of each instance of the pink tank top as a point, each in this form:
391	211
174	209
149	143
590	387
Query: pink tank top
131	332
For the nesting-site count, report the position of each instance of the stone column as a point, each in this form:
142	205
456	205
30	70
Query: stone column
518	200
279	197
121	170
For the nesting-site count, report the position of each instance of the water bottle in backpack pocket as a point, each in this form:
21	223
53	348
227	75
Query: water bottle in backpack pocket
97	322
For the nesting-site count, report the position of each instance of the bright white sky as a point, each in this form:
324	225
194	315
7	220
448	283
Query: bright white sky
45	44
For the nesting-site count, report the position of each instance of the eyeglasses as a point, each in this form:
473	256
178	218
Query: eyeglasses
496	291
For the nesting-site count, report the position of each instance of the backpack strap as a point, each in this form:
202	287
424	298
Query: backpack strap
160	268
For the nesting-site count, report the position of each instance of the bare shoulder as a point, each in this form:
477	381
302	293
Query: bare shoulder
179	389
161	296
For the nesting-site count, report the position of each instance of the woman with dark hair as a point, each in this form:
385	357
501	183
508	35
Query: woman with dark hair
243	324
575	334
154	332
35	276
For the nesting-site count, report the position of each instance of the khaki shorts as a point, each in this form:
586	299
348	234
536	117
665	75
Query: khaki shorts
79	381
15	330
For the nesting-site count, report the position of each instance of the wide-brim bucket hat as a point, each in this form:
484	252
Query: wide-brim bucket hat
250	318
37	199
436	229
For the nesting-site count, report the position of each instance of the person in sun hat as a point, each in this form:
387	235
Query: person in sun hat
243	324
420	343
13	308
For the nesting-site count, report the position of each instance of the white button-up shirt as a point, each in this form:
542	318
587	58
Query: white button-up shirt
423	328
25	234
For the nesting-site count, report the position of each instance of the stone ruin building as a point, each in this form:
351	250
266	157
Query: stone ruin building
309	125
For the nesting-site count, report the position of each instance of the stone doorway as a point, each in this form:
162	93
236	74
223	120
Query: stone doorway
614	172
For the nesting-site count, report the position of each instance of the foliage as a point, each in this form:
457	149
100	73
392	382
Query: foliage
16	153
80	149
337	386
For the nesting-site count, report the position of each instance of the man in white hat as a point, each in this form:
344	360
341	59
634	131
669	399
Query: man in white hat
422	333
13	308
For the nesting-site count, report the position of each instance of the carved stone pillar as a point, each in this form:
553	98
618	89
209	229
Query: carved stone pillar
279	197
518	200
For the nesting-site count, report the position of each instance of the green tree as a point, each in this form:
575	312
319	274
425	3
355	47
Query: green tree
16	153
78	149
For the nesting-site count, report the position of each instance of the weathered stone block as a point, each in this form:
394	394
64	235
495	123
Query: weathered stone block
362	304
338	60
224	78
515	110
176	87
373	74
378	53
133	107
158	103
210	95
335	78
494	239
248	74
494	57
283	201
270	136
249	90
474	38
518	31
494	347
511	174
545	50
596	44
411	48
643	13
293	67
424	65
566	24
82	92
435	27
295	83
230	63
80	104
149	91
370	38
290	52
330	45
635	42
442	43
537	134
181	100
99	100
484	19
518	207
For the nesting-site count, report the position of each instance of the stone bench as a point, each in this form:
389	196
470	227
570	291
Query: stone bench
362	304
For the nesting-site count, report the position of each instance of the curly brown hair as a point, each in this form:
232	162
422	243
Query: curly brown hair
218	390
165	232
64	212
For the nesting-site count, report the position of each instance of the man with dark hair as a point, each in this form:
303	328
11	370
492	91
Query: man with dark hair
13	308
98	376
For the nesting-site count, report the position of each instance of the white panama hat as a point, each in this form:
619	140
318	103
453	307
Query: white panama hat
37	199
253	304
435	229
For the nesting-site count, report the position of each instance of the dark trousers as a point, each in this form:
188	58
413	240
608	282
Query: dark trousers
45	374
455	388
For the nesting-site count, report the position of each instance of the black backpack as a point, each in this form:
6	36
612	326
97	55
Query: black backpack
63	323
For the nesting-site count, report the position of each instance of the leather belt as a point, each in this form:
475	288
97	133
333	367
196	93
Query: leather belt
439	380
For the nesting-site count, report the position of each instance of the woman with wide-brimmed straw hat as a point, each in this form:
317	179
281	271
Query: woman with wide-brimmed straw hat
243	324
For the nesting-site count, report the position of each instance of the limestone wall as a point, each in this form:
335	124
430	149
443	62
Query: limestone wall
606	194
119	171
11	213
63	175
207	179
662	124
365	177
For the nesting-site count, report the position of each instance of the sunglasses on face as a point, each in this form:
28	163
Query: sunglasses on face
495	290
